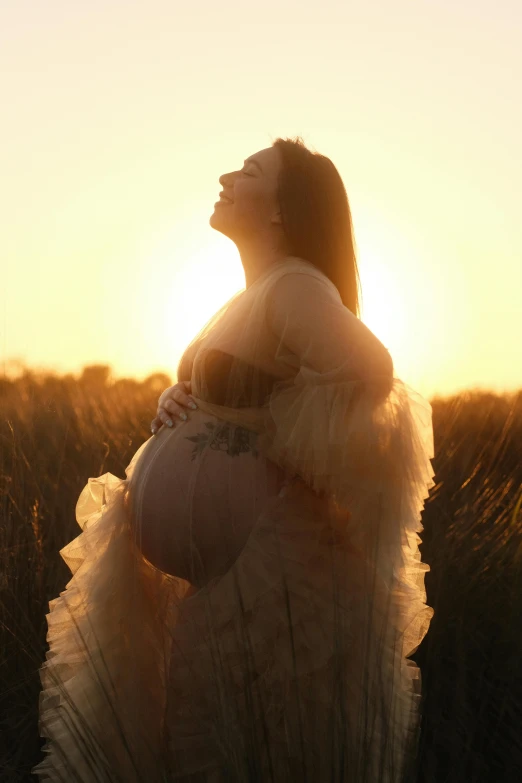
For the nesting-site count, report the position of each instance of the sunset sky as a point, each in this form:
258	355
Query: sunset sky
119	117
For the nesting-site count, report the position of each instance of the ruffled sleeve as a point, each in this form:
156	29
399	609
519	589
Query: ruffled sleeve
343	373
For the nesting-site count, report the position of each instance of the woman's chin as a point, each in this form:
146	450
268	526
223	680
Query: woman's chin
219	216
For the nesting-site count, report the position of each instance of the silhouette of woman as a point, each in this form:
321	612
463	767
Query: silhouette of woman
244	602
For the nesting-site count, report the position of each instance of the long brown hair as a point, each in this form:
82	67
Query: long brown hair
316	216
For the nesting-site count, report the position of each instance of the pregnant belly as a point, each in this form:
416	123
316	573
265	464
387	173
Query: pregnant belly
195	494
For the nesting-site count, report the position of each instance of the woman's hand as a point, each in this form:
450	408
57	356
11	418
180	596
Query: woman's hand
170	402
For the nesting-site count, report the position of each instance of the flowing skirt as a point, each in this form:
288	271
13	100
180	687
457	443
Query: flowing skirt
292	665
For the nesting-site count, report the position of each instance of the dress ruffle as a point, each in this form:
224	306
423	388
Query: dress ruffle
297	655
103	681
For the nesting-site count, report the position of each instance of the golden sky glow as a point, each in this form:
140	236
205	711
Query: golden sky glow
119	118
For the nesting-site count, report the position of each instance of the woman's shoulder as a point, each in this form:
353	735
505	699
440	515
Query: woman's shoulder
300	274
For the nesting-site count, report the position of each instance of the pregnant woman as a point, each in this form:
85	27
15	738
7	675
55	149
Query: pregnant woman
244	603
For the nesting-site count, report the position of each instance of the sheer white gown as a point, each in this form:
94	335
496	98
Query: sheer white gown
243	604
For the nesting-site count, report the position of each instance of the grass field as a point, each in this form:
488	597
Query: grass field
57	431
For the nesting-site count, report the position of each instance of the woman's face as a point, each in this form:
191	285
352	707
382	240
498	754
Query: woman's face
253	191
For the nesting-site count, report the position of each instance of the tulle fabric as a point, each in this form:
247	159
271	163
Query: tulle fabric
293	663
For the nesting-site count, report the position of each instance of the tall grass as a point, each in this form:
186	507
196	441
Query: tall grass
58	431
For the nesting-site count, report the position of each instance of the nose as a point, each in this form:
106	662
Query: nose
226	179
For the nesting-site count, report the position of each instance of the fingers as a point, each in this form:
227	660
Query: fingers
184	399
179	392
171	404
155	425
176	401
163	417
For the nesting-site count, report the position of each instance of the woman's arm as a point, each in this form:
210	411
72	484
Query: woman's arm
307	316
